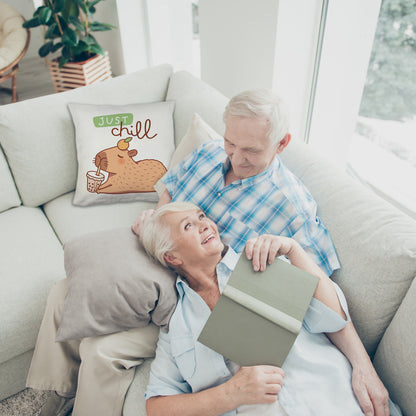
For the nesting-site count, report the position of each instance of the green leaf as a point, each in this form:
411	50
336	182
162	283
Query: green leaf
70	37
70	9
77	23
100	27
34	22
45	49
44	15
66	52
57	46
62	61
96	48
58	5
81	5
52	32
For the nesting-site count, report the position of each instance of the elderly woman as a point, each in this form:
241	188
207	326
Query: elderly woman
188	378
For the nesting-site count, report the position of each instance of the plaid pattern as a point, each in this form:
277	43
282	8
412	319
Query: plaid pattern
273	202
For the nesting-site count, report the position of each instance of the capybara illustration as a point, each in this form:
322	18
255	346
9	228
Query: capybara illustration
124	174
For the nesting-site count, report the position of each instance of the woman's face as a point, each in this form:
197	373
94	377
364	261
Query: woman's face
195	236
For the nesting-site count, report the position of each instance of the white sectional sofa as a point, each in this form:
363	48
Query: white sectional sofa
376	243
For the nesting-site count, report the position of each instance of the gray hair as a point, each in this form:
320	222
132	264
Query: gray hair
156	236
261	103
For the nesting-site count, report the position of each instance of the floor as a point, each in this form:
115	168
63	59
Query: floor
33	80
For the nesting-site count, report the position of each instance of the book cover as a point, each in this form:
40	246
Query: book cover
259	314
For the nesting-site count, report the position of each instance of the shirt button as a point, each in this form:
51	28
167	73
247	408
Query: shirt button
219	194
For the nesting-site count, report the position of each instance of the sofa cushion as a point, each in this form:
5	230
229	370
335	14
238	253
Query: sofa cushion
113	286
374	241
192	95
122	151
70	221
31	259
134	404
38	135
9	196
394	359
198	132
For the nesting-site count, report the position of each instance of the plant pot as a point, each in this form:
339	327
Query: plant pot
78	74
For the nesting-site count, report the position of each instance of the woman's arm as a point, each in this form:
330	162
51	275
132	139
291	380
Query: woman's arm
250	385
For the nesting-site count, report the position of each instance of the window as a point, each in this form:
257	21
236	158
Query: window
383	147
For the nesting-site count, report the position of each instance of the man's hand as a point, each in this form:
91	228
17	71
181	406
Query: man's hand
264	249
255	385
141	219
370	392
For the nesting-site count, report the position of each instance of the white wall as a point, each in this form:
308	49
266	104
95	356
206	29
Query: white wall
296	41
238	42
170	33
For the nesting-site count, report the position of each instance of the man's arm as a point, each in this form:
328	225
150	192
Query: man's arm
368	388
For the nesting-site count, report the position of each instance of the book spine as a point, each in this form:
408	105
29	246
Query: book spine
263	309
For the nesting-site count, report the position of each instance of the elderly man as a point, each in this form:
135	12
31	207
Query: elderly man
242	185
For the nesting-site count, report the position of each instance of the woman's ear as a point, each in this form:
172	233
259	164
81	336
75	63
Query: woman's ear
170	258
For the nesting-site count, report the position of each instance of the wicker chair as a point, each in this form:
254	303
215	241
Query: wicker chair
14	42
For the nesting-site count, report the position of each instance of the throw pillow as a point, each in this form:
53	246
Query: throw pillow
198	133
113	285
122	151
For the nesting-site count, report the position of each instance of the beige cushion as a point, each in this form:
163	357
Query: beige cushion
70	221
9	196
198	133
375	242
31	260
113	286
13	36
394	359
53	171
191	95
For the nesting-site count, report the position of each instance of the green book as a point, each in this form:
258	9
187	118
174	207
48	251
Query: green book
259	314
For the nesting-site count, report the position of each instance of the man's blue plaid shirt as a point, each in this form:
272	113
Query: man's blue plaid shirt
273	202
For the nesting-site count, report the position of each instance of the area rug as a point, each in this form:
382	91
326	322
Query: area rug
26	403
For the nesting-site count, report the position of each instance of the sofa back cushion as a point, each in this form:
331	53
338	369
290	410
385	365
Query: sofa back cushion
9	196
191	95
38	135
375	242
394	359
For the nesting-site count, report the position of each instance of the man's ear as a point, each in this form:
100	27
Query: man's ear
170	258
283	143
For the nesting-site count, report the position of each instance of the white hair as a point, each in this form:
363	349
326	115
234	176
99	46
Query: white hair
156	235
261	103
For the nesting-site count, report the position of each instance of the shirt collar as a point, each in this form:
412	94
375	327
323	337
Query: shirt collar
224	269
252	180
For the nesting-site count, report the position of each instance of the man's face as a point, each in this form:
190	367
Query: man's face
247	146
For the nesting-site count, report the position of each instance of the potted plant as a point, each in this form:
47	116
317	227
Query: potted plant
68	30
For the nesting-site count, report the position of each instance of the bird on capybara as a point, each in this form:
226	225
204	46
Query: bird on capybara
125	175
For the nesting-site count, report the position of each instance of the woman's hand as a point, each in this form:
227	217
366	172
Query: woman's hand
264	249
141	219
255	385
